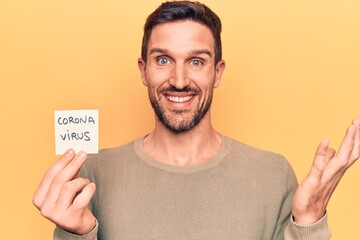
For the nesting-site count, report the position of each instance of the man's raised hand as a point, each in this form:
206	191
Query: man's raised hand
313	194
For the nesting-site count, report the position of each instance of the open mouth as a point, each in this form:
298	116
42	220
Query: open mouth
178	99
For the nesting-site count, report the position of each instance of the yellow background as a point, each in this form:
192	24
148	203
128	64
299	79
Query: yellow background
292	79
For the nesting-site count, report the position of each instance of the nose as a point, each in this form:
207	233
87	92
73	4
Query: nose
179	78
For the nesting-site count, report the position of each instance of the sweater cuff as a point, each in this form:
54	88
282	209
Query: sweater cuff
317	231
61	234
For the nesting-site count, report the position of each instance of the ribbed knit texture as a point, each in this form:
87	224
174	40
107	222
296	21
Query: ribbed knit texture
242	193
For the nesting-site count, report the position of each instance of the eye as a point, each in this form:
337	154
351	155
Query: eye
196	62
163	61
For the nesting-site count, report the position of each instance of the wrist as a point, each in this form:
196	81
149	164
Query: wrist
307	218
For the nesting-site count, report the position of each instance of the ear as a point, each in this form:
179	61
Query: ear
142	69
219	69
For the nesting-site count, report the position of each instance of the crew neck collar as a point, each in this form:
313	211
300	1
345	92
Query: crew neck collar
225	146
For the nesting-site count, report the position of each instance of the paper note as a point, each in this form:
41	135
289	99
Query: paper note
77	129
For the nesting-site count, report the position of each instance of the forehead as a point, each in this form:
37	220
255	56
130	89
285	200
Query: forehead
181	36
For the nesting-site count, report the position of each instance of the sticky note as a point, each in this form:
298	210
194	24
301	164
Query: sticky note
77	129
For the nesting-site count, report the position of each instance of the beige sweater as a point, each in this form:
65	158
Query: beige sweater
242	193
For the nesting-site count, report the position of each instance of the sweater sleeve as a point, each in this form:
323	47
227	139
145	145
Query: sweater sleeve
317	231
288	190
60	234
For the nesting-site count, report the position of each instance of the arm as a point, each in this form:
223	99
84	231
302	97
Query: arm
309	218
63	198
286	228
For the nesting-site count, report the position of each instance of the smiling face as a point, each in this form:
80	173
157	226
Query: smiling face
180	73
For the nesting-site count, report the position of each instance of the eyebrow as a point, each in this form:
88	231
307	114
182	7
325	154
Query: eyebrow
198	52
157	50
195	52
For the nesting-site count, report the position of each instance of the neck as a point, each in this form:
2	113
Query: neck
195	146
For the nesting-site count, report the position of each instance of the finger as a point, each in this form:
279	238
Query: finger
356	149
45	183
82	200
320	159
69	191
356	121
330	153
347	144
65	175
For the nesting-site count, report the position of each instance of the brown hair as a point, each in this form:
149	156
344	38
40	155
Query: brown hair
183	10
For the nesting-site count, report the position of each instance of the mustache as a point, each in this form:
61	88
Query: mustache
183	90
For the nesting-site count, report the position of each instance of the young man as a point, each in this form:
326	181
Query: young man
184	180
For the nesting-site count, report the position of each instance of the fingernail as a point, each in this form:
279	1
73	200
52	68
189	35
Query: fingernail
81	155
69	152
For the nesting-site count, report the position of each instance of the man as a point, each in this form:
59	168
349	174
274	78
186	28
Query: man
184	180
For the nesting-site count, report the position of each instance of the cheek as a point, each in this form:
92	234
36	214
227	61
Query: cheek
204	76
156	76
204	82
153	93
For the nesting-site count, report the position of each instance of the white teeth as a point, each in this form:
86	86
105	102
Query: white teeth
179	99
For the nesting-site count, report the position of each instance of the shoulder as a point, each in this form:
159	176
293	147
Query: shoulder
109	159
113	153
254	163
257	160
243	151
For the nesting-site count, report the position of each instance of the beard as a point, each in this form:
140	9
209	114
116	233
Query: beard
180	121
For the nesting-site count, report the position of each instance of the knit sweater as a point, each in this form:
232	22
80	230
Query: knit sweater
241	193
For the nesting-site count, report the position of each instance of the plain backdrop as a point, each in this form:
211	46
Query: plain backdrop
292	79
